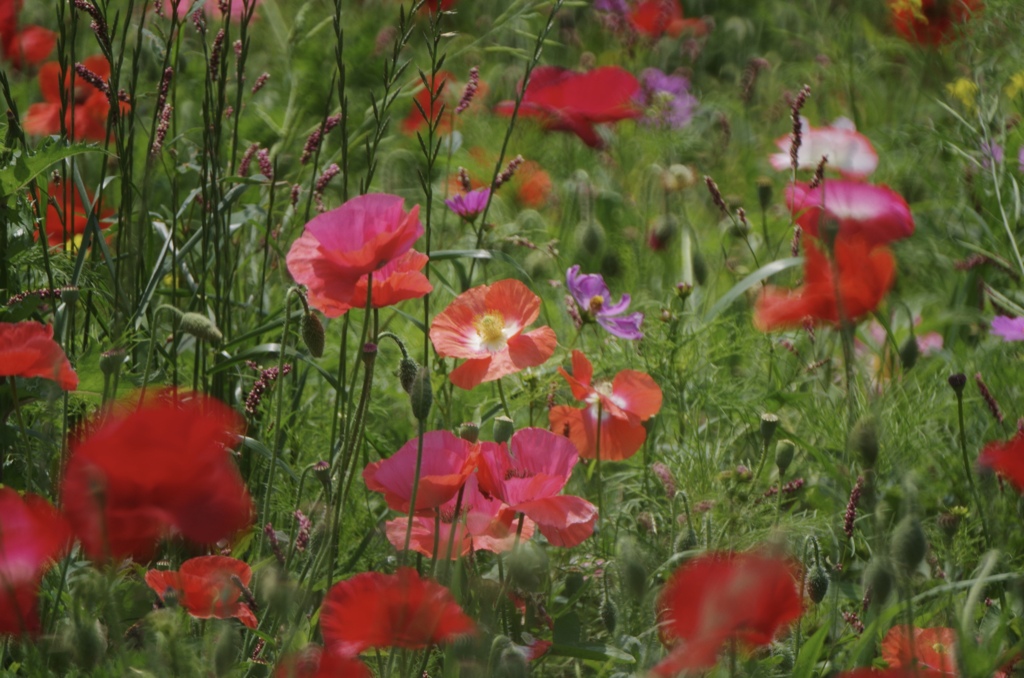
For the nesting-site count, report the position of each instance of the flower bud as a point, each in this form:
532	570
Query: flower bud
864	440
590	236
769	423
609	615
957	382
909	353
573	584
226	651
421	395
878	581
816	583
503	429
512	663
470	431
909	543
828	230
69	294
764	192
784	451
312	331
322	471
111	361
201	327
700	268
90	643
407	370
686	541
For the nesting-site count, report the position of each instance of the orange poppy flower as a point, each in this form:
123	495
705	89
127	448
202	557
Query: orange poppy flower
91	105
485	325
931	22
206	586
530	185
27	349
925	649
627	401
865	276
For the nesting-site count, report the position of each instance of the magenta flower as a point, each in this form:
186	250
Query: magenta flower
591	294
876	214
1010	329
848	151
470	205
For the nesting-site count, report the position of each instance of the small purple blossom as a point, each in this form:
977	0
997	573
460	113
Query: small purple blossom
594	300
1020	160
991	152
1010	329
666	99
470	205
614	6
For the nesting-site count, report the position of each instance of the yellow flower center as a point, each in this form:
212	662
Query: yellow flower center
596	303
490	327
939	648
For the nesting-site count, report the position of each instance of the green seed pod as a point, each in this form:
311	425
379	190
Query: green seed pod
878	579
909	543
864	440
111	361
226	651
573	584
909	353
784	452
470	431
609	615
700	268
421	396
503	429
764	192
312	331
686	541
201	327
90	643
769	423
512	664
787	659
816	583
69	294
590	237
407	370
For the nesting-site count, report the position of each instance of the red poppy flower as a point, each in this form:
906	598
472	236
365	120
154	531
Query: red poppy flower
66	225
890	673
527	473
443	86
655	18
91	106
398	280
630	399
931	22
574	102
848	151
530	185
32	535
875	214
865	275
312	662
444	5
485	326
446	463
207	587
340	247
27	349
390	610
482	524
29	46
720	597
1007	459
162	468
931	649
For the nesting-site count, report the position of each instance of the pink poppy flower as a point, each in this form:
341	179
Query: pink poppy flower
527	473
848	151
236	8
627	401
340	247
490	525
446	464
574	102
874	214
485	326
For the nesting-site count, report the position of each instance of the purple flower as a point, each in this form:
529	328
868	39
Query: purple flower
1020	160
1010	329
591	294
614	6
470	205
666	99
991	152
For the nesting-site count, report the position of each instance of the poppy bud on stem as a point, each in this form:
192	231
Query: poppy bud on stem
957	382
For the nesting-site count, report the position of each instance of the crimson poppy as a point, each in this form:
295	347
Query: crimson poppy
161	468
390	610
446	462
207	587
32	535
865	276
485	325
527	473
720	597
27	349
627	401
929	649
848	151
91	105
875	214
1006	458
574	102
931	22
655	18
341	247
312	662
28	46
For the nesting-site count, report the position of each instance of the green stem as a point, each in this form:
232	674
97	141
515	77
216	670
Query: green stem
421	429
504	403
24	432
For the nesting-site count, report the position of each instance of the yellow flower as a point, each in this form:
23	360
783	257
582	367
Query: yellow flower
1014	88
965	91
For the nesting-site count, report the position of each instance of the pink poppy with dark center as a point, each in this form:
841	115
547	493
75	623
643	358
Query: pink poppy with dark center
446	463
527	473
874	214
574	102
848	151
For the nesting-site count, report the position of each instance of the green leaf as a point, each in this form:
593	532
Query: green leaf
809	652
593	652
740	288
24	168
485	255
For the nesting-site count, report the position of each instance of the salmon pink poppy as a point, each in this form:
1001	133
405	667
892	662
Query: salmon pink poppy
398	280
485	325
28	46
1006	458
931	649
574	102
27	349
625	402
865	276
718	597
91	105
481	524
931	22
390	610
207	587
875	214
527	473
32	535
312	662
445	465
159	469
848	151
341	247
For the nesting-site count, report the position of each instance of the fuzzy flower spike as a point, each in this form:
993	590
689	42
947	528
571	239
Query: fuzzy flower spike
595	302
